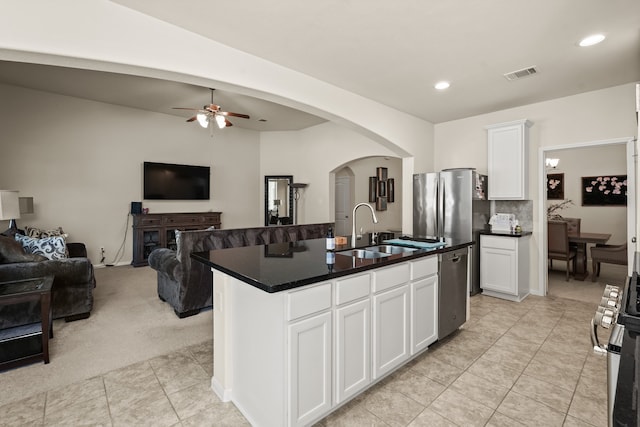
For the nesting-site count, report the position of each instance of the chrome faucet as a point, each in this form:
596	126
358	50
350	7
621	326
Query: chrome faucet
353	221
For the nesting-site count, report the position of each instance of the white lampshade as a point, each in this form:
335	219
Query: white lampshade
9	205
203	120
220	121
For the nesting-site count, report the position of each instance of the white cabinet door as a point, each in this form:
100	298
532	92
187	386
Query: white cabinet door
424	313
352	349
508	160
390	329
309	368
498	270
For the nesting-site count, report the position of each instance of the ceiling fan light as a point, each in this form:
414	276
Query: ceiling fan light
221	121
202	119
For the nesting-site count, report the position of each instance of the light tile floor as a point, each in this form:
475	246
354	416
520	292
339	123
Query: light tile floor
511	364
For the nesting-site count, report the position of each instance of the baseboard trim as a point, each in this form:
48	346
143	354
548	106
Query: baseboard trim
220	391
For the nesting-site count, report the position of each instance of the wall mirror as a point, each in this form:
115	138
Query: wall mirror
278	199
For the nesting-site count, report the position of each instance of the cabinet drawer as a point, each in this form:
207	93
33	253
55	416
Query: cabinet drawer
211	218
508	243
184	219
149	221
307	301
391	276
352	288
424	267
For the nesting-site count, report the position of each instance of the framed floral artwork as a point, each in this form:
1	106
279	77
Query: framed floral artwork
555	186
604	190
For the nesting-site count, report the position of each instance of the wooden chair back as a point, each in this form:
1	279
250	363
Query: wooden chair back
557	237
573	226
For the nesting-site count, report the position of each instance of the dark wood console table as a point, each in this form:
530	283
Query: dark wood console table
25	344
151	231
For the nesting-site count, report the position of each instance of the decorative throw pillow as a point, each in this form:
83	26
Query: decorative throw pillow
12	251
49	247
37	233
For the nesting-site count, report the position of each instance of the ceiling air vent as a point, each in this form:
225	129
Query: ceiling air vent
525	72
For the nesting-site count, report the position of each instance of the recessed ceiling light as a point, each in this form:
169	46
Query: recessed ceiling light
442	85
591	40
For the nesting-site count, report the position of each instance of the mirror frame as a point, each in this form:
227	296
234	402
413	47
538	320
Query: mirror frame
267	178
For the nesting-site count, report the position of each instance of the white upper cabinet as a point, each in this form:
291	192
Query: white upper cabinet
508	149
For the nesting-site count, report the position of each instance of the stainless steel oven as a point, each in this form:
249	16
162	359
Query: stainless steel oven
619	310
606	316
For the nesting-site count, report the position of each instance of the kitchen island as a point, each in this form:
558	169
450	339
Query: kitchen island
299	331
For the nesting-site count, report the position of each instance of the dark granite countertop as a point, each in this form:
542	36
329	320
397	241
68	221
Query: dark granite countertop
282	266
506	233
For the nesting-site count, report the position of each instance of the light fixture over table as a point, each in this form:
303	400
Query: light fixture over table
551	163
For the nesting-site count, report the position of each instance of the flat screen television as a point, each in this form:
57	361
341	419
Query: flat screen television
166	181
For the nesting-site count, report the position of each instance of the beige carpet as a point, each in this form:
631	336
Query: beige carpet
587	291
128	324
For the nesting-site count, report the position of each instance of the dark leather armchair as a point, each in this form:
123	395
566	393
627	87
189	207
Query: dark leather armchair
558	244
611	254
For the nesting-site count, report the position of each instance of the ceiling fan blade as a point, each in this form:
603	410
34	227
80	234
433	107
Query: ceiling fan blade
184	108
190	119
227	123
230	114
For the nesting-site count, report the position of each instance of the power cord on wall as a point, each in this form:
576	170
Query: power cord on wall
120	253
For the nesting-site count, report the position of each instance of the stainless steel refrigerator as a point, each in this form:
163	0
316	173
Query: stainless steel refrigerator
452	206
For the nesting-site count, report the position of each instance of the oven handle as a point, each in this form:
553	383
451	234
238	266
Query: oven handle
597	347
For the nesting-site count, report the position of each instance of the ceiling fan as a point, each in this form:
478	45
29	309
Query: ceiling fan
212	112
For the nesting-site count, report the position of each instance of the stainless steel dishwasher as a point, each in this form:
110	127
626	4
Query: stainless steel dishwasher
452	291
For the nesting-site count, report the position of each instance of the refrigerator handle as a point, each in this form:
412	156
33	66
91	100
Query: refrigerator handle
441	216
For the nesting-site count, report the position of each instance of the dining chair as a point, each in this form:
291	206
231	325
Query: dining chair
573	229
558	245
611	254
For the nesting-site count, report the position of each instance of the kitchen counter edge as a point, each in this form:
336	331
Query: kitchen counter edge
506	233
203	258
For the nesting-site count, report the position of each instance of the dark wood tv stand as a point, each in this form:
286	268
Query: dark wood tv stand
151	231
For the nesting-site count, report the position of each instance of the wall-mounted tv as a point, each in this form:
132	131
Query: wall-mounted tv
166	181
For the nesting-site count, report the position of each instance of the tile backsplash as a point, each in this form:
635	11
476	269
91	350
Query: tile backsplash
522	209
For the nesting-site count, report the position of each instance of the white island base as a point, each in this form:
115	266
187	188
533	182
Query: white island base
292	357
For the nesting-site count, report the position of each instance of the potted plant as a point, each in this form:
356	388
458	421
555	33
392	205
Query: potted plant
554	208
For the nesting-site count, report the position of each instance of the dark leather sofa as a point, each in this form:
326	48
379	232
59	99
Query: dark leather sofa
72	290
188	285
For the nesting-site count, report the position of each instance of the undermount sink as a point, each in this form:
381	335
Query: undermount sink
363	253
390	249
379	251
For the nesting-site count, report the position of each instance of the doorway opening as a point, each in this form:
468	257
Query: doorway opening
583	160
344	200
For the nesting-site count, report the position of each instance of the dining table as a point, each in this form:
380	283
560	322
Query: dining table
581	239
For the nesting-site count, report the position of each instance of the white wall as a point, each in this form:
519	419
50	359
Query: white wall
391	219
311	155
593	116
592	161
82	162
